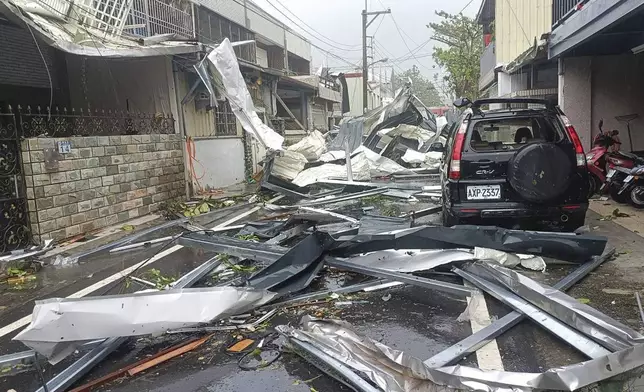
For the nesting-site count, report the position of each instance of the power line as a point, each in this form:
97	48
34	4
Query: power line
311	27
466	5
308	32
405	42
312	44
378	27
51	84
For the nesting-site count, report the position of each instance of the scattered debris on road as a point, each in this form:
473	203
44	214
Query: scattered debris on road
362	208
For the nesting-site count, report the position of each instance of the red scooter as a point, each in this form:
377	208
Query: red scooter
596	159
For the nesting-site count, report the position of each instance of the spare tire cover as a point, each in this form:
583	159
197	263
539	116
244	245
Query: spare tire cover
540	172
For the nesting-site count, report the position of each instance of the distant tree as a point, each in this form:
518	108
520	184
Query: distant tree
461	55
422	87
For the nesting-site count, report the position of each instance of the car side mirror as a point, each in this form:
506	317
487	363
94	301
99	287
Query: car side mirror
461	102
438	147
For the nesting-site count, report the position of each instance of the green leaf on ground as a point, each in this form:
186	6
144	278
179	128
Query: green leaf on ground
618	214
583	300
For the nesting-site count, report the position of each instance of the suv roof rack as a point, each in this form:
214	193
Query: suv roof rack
549	104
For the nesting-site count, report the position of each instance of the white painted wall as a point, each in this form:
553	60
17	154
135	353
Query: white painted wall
617	90
298	45
263	24
604	87
222	160
575	95
232	10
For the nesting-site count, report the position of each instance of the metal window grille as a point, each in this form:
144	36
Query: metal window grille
225	121
152	17
59	7
107	16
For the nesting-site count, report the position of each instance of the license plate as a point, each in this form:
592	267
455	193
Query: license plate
628	178
610	174
484	192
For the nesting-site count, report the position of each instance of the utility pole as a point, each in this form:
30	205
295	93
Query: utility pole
365	66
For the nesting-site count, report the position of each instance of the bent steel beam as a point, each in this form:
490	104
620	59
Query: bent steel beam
482	337
561	330
399	277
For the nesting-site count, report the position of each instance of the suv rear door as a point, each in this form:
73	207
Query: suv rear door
490	144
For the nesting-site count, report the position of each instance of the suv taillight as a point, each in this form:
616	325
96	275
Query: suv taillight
457	152
579	149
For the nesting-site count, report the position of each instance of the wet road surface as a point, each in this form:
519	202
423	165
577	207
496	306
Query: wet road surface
419	321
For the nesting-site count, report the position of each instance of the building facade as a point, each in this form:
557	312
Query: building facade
598	46
514	61
109	127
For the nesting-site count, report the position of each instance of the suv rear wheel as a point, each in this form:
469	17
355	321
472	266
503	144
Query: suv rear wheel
539	172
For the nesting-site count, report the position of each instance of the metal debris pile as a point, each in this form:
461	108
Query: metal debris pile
334	214
267	265
388	147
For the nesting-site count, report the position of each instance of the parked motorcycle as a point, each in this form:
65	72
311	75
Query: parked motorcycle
596	159
614	183
633	187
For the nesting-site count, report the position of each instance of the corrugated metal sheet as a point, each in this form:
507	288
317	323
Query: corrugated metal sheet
517	24
199	123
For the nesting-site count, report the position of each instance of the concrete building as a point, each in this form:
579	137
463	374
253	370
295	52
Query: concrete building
375	94
118	122
514	61
598	45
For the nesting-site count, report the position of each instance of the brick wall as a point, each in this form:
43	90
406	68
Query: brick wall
104	180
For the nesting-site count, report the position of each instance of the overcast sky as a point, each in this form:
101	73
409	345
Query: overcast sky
339	25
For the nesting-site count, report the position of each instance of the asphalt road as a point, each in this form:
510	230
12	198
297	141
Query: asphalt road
418	321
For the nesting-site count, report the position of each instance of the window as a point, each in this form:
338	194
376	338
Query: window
512	133
225	121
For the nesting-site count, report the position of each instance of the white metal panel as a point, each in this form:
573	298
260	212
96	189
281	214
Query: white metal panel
222	162
262	57
298	45
232	10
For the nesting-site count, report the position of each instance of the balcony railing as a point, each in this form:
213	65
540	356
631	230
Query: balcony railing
139	18
563	9
153	17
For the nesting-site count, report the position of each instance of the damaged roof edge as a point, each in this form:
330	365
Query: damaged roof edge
15	15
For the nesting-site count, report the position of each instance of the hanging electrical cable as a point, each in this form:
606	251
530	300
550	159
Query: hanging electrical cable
311	27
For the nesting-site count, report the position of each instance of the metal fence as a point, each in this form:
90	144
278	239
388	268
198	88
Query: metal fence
562	9
153	17
15	232
38	122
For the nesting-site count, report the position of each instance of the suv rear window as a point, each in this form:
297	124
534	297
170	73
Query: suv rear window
512	133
